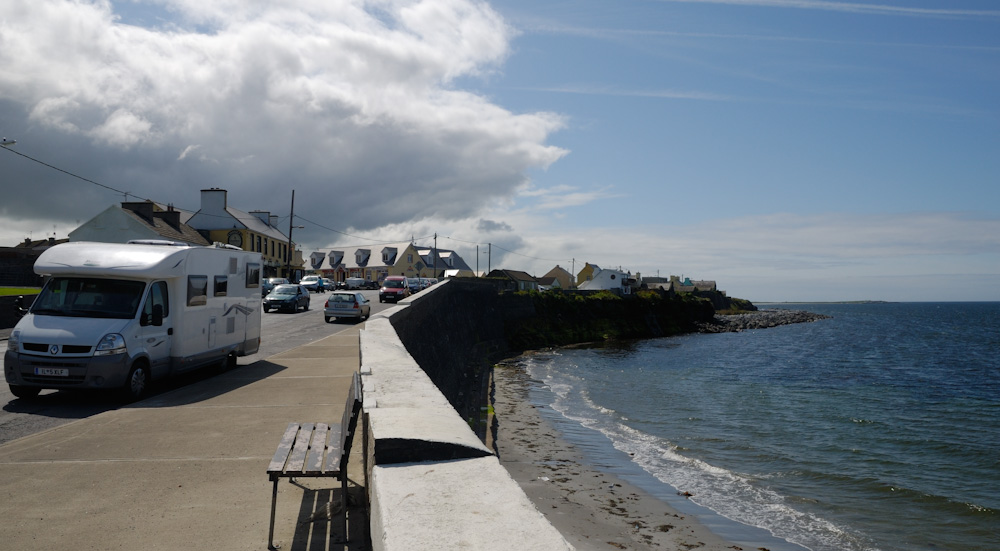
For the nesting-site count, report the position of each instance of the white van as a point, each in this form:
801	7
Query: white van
120	316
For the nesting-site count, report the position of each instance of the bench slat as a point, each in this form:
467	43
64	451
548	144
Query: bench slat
334	450
277	464
298	456
317	449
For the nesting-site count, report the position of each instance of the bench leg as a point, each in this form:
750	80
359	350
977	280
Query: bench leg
343	500
274	502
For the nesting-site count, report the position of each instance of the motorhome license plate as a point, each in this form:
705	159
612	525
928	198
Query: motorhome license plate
51	372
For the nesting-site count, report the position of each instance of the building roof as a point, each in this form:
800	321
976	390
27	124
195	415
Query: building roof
515	275
164	222
356	256
39	243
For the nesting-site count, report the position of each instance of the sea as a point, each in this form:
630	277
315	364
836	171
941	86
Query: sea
875	429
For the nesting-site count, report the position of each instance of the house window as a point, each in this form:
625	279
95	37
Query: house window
409	259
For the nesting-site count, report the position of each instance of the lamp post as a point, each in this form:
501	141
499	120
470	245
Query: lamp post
5	142
288	253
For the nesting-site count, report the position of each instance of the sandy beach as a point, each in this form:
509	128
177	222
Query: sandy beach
592	509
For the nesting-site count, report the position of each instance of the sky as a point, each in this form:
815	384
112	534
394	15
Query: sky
790	150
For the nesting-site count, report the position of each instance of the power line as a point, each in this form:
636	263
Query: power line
503	249
374	241
125	193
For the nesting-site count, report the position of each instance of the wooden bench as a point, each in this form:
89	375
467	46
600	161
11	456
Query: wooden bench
315	450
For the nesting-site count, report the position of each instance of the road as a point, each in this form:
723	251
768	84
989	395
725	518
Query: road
279	332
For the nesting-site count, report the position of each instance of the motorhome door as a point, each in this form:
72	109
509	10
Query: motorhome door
156	328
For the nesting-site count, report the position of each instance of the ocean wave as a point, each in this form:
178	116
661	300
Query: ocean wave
727	493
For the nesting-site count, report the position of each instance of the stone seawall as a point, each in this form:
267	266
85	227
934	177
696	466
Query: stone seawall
432	483
457	334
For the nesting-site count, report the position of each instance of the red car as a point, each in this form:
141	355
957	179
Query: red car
394	288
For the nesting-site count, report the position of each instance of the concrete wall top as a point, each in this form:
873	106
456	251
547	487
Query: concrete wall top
390	376
468	504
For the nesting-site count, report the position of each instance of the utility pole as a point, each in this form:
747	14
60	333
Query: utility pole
435	255
288	253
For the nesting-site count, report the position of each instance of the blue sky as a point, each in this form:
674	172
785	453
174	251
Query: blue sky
788	149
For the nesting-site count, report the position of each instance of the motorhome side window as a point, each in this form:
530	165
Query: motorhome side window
221	285
253	275
197	290
157	298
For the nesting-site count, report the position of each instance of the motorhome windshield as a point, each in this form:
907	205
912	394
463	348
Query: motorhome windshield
89	297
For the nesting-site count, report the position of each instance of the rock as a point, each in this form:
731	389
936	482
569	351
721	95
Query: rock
761	319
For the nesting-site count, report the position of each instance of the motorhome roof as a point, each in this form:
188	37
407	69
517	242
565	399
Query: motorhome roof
127	260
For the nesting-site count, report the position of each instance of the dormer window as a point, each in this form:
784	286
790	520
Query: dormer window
361	256
388	255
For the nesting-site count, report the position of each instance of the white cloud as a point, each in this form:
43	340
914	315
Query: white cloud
908	256
352	98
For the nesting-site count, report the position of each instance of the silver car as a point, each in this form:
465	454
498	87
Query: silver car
346	304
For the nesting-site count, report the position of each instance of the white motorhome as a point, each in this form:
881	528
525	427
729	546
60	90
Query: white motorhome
120	316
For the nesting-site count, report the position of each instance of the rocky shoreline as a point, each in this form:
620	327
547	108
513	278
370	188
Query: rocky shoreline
760	319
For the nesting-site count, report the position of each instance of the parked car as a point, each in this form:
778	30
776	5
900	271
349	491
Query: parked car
394	288
314	283
329	284
426	282
355	282
287	297
269	283
414	284
346	304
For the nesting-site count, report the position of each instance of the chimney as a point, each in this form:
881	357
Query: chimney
142	208
213	201
263	215
170	216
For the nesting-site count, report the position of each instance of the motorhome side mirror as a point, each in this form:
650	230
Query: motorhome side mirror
157	314
19	302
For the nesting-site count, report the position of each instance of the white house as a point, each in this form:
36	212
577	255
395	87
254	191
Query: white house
609	280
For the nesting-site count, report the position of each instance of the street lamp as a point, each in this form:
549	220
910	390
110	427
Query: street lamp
7	142
288	254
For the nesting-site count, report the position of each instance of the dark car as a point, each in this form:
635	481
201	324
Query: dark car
270	283
287	297
394	288
414	283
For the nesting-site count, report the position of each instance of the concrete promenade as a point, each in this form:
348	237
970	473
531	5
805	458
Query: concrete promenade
186	469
